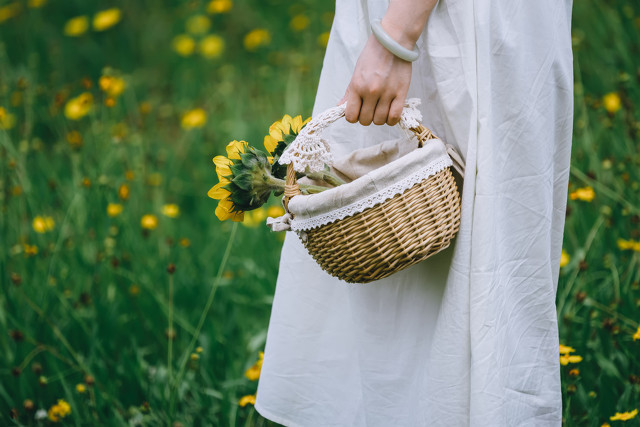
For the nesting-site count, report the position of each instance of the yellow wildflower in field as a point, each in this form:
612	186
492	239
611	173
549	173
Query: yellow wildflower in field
9	11
198	25
171	210
59	411
565	359
30	250
78	107
255	217
624	416
564	349
36	4
195	118
185	242
564	258
81	388
7	120
323	39
585	194
636	336
249	399
253	373
114	209
106	19
149	221
611	102
74	138
76	26
275	211
625	245
112	86
299	22
183	44
257	38
211	46
123	192
42	224
219	6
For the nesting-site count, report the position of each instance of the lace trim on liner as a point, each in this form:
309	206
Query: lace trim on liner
372	200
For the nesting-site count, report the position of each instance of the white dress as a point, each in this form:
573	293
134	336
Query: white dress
468	337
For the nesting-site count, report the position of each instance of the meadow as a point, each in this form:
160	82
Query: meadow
125	301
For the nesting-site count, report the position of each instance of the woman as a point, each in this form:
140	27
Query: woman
468	337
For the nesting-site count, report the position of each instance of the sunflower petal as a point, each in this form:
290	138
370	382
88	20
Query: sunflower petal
296	124
222	166
270	143
234	148
218	192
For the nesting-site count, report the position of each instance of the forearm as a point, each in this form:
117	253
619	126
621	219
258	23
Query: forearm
405	20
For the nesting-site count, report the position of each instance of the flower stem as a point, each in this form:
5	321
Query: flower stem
327	177
278	184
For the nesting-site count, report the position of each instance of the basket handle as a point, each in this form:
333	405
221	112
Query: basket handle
318	149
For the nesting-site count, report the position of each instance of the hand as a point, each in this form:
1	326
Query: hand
378	87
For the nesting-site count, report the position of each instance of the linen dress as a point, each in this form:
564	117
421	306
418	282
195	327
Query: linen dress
468	337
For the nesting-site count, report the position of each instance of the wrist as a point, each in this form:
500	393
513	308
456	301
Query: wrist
402	34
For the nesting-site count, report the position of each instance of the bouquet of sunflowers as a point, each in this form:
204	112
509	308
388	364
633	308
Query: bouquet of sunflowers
248	176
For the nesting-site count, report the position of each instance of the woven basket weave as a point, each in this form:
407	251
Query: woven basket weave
390	236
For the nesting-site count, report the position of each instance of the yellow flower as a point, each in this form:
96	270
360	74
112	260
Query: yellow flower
564	258
36	4
285	126
198	24
257	38
59	411
605	424
184	45
253	373
565	359
171	210
611	102
149	221
211	46
74	138
78	107
76	26
9	11
42	224
114	209
195	118
235	148
106	19
123	192
112	86
255	217
244	400
299	22
585	194
7	120
566	349
80	388
636	336
185	242
632	245
323	39
624	416
275	211
219	6
226	210
30	250
222	167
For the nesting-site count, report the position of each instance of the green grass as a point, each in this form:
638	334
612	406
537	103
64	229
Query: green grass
97	299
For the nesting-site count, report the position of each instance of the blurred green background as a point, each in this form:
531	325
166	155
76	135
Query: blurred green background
125	301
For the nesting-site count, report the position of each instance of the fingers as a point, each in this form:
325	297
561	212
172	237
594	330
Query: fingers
352	112
381	114
395	111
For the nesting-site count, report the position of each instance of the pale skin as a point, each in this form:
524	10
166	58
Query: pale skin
380	81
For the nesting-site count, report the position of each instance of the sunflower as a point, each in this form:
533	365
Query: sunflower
281	134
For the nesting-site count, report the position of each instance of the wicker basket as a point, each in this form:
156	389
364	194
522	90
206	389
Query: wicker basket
390	236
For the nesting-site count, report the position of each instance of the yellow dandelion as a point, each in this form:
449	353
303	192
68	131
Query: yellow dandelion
171	210
219	6
605	424
611	102
624	416
275	211
566	349
195	118
77	26
585	194
184	45
184	242
195	356
199	349
106	19
149	222
299	22
42	224
564	258
211	46
123	192
255	217
198	25
36	4
256	39
636	336
112	86
565	359
9	11
114	209
78	107
81	388
7	120
59	411
249	399
323	39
